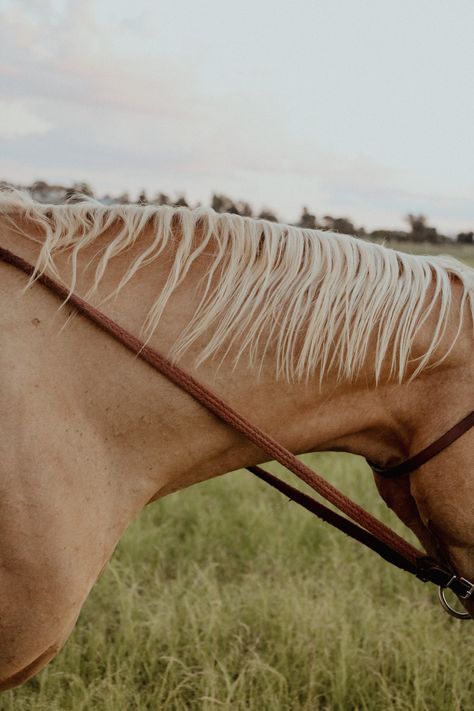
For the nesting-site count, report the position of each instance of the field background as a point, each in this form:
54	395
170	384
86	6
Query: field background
227	596
463	252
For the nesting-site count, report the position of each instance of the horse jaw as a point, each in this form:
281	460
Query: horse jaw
437	503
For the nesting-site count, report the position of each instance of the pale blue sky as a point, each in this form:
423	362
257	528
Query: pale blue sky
362	108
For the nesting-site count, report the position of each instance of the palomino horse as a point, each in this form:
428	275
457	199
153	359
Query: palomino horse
364	349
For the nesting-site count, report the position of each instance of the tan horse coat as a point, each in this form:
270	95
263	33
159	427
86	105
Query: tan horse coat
89	435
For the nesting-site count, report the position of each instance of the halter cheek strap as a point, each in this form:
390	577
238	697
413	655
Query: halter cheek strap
409	465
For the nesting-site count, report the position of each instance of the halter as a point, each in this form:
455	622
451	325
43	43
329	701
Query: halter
413	463
409	465
360	524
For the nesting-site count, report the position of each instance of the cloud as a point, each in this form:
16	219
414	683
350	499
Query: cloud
74	59
121	97
18	119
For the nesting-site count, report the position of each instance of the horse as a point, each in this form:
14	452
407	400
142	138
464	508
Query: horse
363	348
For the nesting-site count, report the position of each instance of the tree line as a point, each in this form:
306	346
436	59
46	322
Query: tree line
418	228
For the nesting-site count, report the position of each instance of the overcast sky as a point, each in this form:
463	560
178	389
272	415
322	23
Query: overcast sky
363	108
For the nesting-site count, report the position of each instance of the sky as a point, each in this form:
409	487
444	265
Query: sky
357	108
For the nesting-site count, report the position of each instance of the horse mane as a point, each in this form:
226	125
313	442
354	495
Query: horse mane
318	297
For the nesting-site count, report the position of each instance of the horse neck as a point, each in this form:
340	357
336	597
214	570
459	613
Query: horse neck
161	424
383	422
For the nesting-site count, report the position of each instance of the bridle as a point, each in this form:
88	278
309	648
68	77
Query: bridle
409	465
413	463
357	523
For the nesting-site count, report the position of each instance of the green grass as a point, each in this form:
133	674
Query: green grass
463	252
227	596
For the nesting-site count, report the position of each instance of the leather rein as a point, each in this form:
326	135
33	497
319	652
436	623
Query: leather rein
356	522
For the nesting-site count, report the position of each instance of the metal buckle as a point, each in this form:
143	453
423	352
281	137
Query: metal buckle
469	585
460	615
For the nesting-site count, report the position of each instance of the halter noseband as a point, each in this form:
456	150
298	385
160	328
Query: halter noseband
409	465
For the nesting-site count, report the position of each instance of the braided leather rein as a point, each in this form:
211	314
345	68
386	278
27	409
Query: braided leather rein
359	524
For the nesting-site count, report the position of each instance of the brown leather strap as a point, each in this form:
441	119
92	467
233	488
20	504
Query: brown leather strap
426	569
409	465
382	539
343	524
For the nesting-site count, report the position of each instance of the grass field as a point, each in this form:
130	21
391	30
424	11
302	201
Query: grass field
227	596
464	252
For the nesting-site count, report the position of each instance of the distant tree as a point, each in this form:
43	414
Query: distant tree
162	199
389	235
267	214
76	192
142	198
124	199
218	202
40	190
181	201
39	185
308	220
465	238
419	230
222	203
244	208
417	225
82	188
339	224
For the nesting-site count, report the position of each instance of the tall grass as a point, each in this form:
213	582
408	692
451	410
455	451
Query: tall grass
227	596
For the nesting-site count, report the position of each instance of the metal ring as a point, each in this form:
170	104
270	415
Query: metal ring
450	610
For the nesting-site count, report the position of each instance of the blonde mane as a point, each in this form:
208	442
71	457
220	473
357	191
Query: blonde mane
318	297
